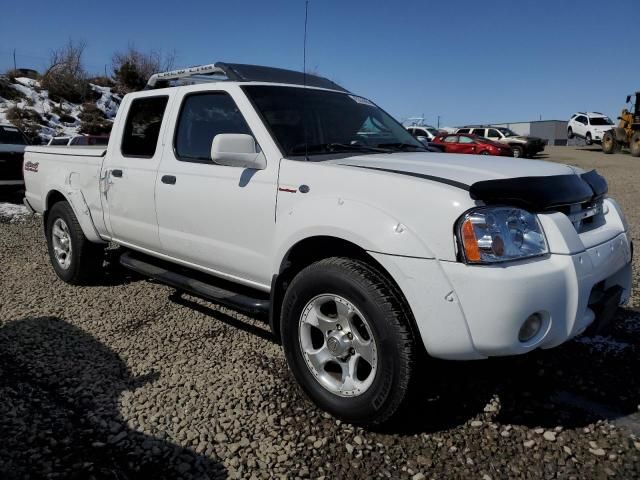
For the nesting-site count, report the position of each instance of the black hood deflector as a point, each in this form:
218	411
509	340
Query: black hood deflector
541	193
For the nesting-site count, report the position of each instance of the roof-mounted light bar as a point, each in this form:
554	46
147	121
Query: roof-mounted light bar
197	71
243	73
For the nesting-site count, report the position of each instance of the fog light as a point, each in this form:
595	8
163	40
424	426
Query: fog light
530	328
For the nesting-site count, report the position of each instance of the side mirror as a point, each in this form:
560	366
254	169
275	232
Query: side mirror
237	150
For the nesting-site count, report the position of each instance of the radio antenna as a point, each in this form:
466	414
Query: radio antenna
304	81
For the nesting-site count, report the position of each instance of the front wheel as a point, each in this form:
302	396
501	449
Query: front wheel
347	340
74	258
517	151
570	133
635	145
609	143
588	140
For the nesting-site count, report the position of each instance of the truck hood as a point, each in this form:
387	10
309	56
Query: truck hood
463	169
532	184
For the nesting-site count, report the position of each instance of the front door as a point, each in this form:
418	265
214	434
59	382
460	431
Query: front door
213	216
129	174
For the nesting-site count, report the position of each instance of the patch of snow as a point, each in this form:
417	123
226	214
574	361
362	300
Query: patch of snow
604	344
12	213
37	99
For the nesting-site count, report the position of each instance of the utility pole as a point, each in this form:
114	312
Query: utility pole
438	127
14	59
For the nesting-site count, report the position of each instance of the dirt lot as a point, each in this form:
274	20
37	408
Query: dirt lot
129	380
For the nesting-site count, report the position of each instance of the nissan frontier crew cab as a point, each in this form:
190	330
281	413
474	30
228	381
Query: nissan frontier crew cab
284	195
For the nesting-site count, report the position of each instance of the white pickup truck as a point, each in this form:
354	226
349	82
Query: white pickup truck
283	194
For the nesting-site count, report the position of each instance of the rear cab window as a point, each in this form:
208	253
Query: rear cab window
142	128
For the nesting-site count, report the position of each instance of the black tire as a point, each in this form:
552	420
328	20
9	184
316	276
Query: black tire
570	133
588	139
518	151
634	146
485	152
86	258
373	295
609	143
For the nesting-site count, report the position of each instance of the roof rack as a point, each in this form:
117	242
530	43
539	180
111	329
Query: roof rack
238	72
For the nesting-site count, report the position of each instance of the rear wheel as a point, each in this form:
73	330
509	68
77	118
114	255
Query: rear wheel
347	340
609	143
518	151
588	140
74	258
635	145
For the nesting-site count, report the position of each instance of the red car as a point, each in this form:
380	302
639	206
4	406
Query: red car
468	143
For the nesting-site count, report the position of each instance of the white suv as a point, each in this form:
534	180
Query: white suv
590	125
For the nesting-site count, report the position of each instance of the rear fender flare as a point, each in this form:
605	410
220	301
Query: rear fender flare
76	199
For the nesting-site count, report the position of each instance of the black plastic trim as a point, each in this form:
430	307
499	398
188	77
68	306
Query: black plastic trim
433	178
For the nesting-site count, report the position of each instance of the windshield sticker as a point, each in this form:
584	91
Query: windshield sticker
361	100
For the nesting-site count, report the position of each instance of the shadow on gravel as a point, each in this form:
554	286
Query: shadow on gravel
574	385
59	411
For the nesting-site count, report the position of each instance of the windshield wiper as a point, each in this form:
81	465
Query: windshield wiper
401	146
320	148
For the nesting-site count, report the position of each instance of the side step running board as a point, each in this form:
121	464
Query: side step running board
198	284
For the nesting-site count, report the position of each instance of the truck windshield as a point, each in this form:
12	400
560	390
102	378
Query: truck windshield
11	135
507	132
316	122
601	121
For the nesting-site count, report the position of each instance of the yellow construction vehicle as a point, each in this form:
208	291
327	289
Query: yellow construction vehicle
627	133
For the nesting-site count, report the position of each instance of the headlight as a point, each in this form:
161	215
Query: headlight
500	234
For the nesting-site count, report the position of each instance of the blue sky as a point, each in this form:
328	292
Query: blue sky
467	61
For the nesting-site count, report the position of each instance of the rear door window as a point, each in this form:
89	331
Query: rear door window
464	139
142	129
464	130
479	132
202	117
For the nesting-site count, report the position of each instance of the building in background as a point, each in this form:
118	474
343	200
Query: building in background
555	131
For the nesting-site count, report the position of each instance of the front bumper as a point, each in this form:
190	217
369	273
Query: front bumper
497	299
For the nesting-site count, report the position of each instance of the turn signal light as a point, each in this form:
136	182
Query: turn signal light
469	242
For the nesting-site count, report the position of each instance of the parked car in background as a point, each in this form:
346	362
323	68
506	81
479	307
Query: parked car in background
84	140
468	143
522	145
424	133
12	144
59	141
590	125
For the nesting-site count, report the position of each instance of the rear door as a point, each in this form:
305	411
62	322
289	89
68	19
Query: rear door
129	173
450	143
214	217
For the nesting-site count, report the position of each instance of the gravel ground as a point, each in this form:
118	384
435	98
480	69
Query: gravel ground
128	380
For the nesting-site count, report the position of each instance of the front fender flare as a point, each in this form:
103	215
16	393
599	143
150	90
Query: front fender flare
364	225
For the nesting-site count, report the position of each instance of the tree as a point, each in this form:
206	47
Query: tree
132	68
66	77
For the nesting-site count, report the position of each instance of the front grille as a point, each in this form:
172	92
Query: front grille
11	166
585	216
